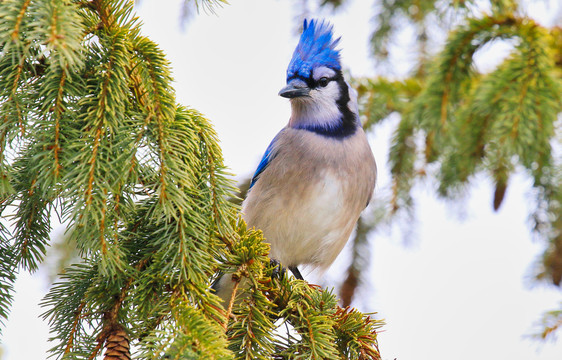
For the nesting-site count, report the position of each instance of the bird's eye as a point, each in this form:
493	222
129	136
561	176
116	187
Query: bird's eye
323	82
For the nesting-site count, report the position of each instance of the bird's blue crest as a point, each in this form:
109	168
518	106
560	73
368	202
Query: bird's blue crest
316	47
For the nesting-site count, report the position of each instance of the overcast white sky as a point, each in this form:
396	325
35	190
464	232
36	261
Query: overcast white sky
460	290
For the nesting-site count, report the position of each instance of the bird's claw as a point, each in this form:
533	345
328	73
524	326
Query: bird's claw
296	272
279	270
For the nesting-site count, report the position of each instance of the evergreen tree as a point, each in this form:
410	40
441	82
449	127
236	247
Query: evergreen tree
90	131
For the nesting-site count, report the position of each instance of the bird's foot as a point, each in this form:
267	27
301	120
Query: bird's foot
277	268
296	272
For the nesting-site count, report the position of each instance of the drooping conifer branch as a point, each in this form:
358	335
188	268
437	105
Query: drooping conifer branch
466	122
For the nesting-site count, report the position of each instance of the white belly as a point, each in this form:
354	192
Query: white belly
309	228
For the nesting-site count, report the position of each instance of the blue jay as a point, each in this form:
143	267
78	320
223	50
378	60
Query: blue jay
318	173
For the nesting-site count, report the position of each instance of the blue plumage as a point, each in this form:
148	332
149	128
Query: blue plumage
316	47
339	130
267	156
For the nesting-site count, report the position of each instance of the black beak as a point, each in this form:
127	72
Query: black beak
293	90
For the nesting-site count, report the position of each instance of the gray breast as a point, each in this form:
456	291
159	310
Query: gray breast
310	196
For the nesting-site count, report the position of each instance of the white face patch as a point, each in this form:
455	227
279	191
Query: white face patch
319	108
330	93
352	103
321	72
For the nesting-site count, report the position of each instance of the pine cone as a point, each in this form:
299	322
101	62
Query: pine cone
117	346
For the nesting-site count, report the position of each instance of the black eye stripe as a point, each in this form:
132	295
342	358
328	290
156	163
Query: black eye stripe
323	81
311	82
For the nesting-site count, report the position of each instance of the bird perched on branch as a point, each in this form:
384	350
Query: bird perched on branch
318	173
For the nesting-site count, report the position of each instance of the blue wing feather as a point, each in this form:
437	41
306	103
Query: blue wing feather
265	160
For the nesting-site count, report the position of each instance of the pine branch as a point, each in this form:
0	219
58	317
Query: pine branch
32	226
72	314
380	97
13	22
356	334
250	335
451	73
8	268
494	115
90	129
310	310
196	337
550	324
402	158
547	219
